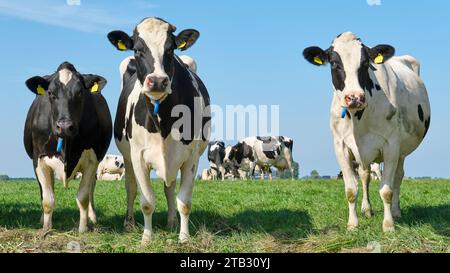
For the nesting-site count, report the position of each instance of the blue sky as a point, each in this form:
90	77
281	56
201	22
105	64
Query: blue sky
249	52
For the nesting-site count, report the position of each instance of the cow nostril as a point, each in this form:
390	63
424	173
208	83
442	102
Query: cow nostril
149	81
71	128
165	82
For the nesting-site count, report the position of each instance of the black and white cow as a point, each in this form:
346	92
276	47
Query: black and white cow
158	88
264	152
68	130
216	155
111	168
380	113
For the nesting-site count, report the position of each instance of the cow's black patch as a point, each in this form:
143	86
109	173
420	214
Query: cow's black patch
242	151
363	72
272	154
348	115
420	112
142	115
129	78
427	126
359	114
145	63
337	70
117	163
129	123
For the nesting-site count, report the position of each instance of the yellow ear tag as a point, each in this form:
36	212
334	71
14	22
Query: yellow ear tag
182	45
318	60
379	59
94	88
40	90
121	45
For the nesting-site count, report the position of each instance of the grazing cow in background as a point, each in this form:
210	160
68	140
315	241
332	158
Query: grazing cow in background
206	175
189	62
240	159
216	155
112	167
68	130
380	113
262	151
158	88
375	171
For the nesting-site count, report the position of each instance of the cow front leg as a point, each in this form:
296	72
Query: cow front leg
85	193
364	174
351	183
184	198
46	180
222	172
148	199
391	159
171	205
131	190
91	213
400	173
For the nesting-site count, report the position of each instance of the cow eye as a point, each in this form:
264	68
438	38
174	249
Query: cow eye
52	95
138	52
334	65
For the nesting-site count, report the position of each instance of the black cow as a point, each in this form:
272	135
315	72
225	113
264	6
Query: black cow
68	130
216	155
158	88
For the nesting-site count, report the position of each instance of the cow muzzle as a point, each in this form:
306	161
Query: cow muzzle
156	87
66	128
355	101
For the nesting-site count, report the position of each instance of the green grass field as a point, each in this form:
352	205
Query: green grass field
279	216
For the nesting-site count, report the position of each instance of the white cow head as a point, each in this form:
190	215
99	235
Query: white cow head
350	62
154	42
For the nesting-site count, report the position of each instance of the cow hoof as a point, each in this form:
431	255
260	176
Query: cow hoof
146	239
184	238
83	229
93	218
172	224
367	212
129	224
44	233
351	227
396	214
388	226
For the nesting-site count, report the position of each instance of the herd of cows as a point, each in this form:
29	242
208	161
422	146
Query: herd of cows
250	155
380	113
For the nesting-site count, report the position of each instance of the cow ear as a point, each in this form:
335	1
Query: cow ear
381	53
94	83
120	40
315	55
186	39
37	85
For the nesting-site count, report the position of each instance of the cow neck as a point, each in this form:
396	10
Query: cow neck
150	112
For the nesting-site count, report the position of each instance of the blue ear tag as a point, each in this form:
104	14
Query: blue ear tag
344	112
59	146
156	108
